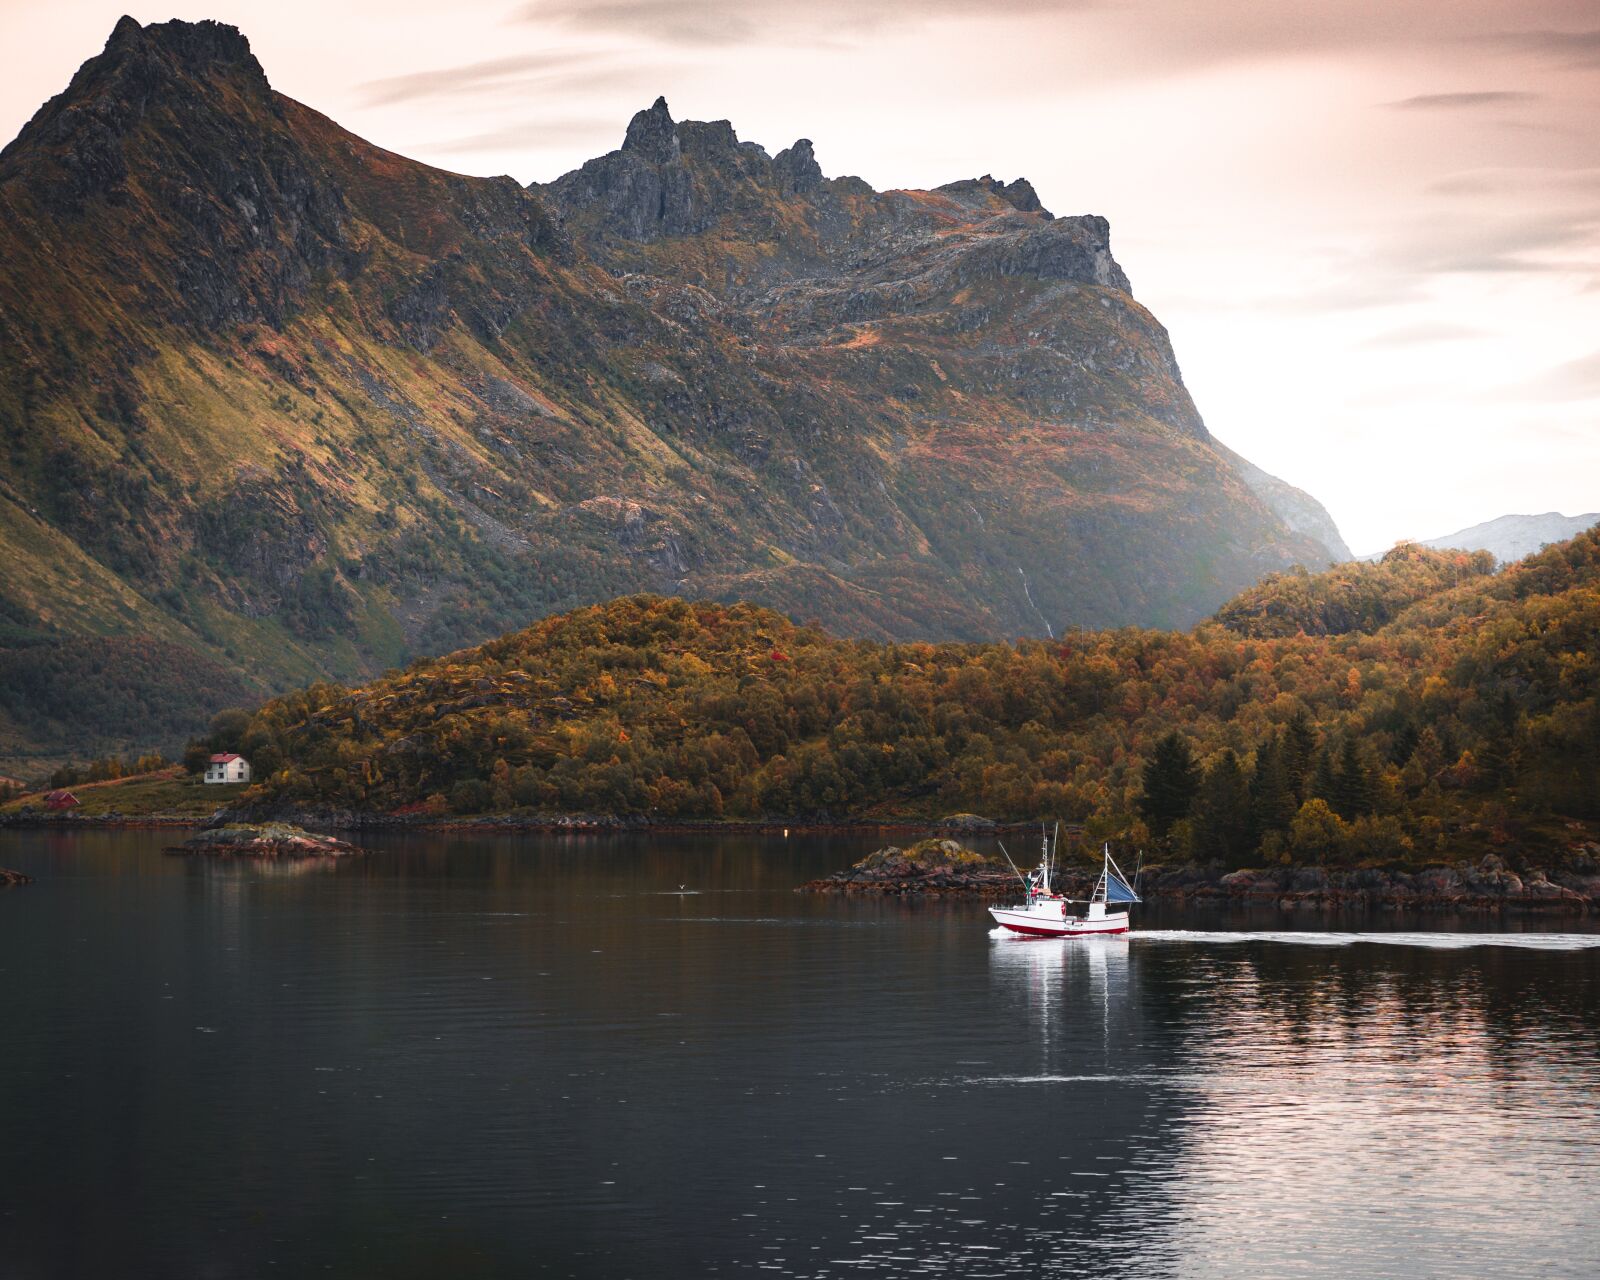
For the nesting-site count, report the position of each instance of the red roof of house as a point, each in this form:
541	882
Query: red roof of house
223	759
61	799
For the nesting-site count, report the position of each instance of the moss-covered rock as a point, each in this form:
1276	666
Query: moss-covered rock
266	840
927	867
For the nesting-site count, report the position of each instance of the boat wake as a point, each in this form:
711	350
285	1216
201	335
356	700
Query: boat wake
1433	941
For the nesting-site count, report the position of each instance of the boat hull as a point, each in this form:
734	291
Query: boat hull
1041	924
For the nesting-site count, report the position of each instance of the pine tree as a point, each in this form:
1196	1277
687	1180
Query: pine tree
1171	780
1354	791
1324	784
1496	752
1222	813
1272	798
1299	751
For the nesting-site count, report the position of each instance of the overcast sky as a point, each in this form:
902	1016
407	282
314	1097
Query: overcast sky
1372	226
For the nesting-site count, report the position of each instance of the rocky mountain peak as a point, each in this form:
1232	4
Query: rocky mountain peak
797	170
652	134
1019	194
170	149
194	45
175	65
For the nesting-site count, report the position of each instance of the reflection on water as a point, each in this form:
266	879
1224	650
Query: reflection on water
627	1057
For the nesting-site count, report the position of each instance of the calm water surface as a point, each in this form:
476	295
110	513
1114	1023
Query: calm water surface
529	1057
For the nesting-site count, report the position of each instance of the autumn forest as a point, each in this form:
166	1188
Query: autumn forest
1417	707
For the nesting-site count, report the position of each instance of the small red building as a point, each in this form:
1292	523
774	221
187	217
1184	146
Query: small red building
58	800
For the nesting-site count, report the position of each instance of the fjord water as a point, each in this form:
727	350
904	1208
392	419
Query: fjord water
537	1056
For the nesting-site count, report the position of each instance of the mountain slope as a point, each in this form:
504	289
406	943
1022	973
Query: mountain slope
278	399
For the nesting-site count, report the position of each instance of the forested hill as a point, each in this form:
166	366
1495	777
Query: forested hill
1469	720
282	404
1354	596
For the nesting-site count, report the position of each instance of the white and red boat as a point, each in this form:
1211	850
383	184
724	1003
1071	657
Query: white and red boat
1047	914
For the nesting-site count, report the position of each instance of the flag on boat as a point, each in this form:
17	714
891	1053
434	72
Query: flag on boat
1113	884
1118	890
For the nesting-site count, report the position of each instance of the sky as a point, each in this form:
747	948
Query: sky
1371	226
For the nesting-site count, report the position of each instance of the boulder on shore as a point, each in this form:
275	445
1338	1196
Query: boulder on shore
13	877
265	840
927	867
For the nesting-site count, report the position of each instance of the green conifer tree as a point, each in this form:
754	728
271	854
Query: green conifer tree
1299	753
1222	813
1171	780
1272	799
1324	783
1354	790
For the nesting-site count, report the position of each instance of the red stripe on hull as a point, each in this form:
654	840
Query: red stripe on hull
1061	933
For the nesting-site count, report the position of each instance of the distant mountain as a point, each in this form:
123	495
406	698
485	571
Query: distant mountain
1512	537
1508	538
276	404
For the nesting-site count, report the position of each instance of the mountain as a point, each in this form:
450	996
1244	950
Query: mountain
1510	538
277	404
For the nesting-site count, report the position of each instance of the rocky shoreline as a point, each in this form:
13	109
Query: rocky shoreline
937	869
269	840
1487	886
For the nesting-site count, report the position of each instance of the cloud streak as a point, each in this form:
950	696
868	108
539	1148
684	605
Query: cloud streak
538	131
491	76
720	23
1575	381
1578	48
1423	333
1459	101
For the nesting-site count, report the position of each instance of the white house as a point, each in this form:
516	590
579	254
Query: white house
228	768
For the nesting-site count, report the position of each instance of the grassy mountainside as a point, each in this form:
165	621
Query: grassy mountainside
1469	722
278	401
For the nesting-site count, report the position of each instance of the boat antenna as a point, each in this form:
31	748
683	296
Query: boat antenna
1020	876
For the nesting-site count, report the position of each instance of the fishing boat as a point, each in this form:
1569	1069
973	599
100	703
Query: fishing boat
1046	913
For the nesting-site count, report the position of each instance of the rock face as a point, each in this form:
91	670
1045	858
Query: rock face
265	840
268	391
1295	507
9	878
